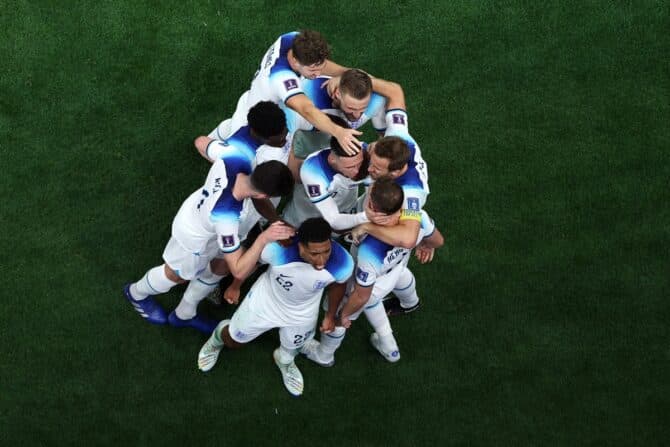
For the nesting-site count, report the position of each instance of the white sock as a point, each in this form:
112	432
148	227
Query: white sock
405	289
154	282
196	291
286	355
218	333
378	319
330	342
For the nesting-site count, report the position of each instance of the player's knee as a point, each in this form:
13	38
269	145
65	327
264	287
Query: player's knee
228	340
172	275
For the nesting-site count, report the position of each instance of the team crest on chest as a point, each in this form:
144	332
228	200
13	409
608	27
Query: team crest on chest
318	284
360	274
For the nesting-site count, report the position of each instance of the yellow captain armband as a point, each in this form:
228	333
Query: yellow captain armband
406	214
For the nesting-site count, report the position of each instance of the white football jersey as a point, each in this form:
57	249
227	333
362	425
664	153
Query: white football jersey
376	258
275	80
212	210
295	286
320	183
243	140
414	181
313	89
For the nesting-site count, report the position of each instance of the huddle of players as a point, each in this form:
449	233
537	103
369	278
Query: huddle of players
294	131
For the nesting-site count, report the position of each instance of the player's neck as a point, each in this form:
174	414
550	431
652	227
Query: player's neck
400	172
242	188
293	62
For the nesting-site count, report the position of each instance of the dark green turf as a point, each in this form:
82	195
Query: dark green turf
546	126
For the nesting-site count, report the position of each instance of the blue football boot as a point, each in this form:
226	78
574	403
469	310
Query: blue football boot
204	325
148	308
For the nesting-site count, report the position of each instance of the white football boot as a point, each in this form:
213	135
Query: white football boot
391	352
290	374
209	353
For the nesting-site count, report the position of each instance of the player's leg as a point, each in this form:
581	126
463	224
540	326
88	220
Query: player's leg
405	300
291	339
156	281
244	326
382	338
203	280
323	352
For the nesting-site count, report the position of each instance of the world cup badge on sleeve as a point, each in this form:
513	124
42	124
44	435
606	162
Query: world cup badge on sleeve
290	84
314	190
228	241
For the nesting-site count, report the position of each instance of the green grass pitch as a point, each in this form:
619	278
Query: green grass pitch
546	128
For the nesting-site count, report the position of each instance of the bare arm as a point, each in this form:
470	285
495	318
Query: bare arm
435	240
425	251
201	144
357	299
395	97
305	107
242	264
402	235
335	296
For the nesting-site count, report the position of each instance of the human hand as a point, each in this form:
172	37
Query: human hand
232	294
328	324
423	253
358	233
345	322
378	218
277	231
332	85
348	141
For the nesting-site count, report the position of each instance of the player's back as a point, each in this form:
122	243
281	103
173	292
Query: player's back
275	80
213	204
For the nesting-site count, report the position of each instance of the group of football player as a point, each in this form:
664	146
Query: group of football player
293	136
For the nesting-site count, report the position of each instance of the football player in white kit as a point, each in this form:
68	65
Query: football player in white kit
286	296
278	79
380	269
208	221
354	101
397	156
330	180
271	121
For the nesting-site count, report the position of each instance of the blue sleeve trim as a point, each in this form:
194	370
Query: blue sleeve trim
320	200
292	95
